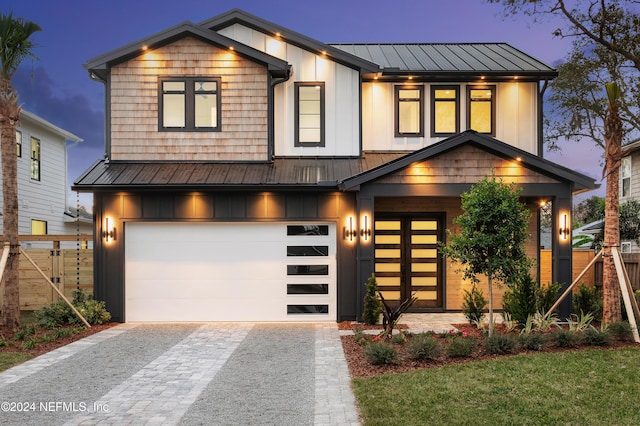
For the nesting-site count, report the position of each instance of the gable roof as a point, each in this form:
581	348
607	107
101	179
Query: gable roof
26	116
461	59
540	165
238	16
99	65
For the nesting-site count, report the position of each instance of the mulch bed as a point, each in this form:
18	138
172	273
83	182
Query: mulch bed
15	345
360	367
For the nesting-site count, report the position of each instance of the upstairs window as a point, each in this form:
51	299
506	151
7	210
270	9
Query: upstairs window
189	104
409	116
18	143
35	159
625	177
481	109
445	110
309	114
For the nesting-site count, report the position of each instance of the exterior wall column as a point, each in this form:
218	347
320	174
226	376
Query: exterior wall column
365	248
562	266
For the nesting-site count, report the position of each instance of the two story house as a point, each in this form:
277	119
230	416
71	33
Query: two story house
41	148
253	173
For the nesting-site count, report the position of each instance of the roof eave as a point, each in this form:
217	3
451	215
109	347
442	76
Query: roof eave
237	16
100	65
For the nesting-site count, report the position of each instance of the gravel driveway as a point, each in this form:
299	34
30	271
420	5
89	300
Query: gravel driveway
186	374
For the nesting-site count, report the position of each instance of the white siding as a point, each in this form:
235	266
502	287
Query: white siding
516	112
45	199
342	111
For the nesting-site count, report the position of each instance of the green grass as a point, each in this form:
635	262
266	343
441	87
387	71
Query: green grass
9	359
587	387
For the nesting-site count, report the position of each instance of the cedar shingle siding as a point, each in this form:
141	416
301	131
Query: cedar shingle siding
134	106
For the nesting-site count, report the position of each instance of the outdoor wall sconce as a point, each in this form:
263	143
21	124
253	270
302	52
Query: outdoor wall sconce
365	232
564	226
349	231
109	231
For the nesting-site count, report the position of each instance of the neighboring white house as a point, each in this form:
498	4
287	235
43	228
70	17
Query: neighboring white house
42	180
630	184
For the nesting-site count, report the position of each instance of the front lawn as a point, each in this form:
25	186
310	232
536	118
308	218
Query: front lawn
587	386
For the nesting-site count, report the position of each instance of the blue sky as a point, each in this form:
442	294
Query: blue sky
57	88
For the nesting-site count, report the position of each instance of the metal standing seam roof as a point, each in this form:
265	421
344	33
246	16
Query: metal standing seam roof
449	57
283	172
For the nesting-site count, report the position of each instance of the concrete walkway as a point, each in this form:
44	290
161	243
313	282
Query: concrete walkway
186	374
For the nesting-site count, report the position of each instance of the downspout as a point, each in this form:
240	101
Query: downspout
273	82
107	115
540	118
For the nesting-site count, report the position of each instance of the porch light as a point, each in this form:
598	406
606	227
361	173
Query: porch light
349	231
365	232
564	226
109	231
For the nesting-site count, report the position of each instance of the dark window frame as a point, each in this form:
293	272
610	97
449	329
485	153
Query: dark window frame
397	101
434	102
190	100
297	85
493	107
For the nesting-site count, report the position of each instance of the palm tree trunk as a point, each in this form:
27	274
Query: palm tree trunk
613	147
9	117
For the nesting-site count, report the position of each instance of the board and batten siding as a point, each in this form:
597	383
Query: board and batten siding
134	106
516	116
342	94
44	199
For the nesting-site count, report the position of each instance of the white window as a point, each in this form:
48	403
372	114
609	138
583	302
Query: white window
625	176
35	158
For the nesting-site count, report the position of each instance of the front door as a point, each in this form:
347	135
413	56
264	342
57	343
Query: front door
407	261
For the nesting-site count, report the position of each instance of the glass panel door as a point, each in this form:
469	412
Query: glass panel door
407	260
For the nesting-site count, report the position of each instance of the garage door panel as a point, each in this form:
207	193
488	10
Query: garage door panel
223	272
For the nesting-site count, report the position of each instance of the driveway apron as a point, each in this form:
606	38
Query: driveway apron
187	374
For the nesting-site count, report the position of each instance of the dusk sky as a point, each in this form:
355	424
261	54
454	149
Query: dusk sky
57	88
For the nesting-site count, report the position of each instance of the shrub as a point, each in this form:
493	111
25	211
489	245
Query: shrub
59	314
29	344
520	299
499	343
473	305
533	341
564	338
580	322
588	300
55	315
379	353
547	296
461	347
372	308
621	330
423	347
595	337
94	312
399	338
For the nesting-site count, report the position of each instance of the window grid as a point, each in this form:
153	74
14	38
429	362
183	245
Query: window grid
189	104
409	111
481	109
309	114
445	110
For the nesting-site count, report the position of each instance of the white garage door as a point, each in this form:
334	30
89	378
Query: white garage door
230	272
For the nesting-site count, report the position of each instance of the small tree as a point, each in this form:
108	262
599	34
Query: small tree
493	234
372	305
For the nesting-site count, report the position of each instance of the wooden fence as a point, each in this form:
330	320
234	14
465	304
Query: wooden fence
581	259
69	269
